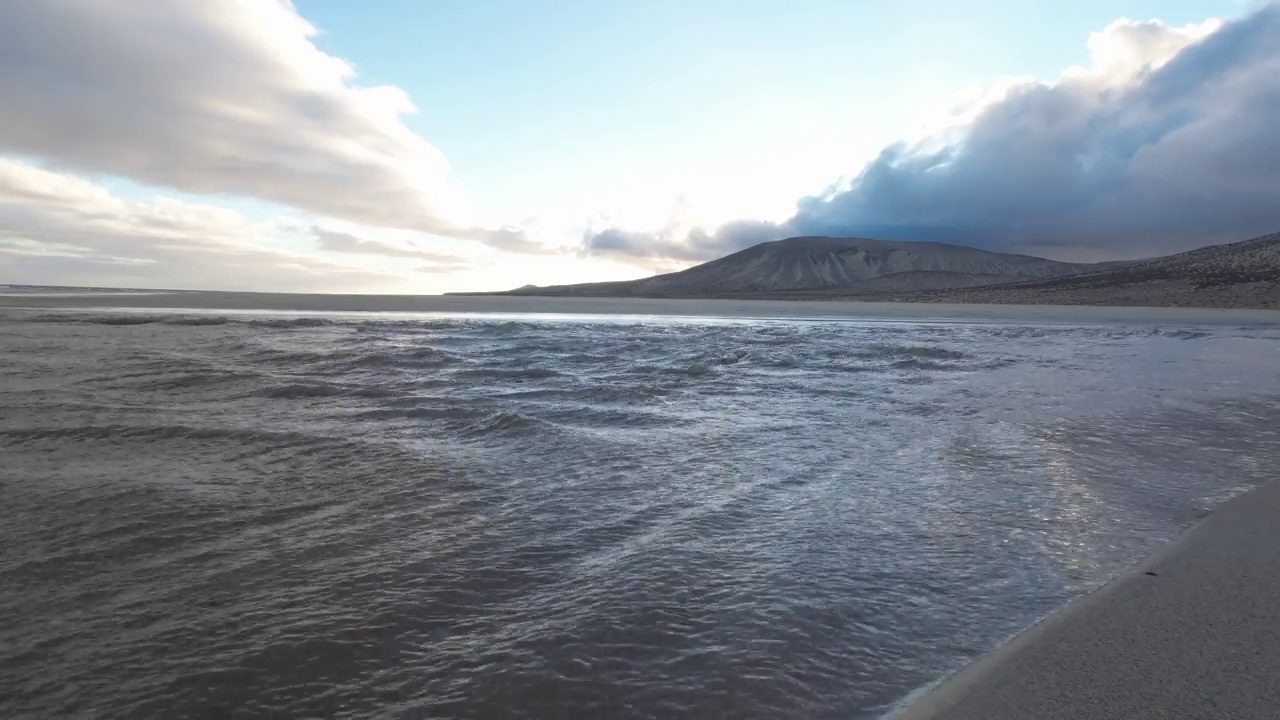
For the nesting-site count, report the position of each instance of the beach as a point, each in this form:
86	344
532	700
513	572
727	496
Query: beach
1193	632
568	307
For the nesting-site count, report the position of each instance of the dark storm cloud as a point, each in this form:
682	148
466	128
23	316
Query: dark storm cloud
694	246
1128	157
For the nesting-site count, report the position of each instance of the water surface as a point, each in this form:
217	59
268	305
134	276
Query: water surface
218	514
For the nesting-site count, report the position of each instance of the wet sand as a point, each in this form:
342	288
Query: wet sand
1193	632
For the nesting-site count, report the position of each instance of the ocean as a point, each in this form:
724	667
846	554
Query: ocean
226	514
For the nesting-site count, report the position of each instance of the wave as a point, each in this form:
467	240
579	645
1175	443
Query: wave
87	319
732	357
700	365
346	359
417	357
854	367
191	380
613	418
919	364
1184	334
696	368
474	422
448	413
501	329
304	390
400	327
910	351
781	360
1173	333
507	421
198	320
610	393
154	433
296	391
127	319
287	323
508	373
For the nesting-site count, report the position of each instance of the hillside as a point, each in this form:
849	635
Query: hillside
831	266
1242	274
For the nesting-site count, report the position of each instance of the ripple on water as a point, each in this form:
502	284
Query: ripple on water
255	517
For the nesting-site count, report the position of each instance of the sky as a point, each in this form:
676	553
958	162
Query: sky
409	147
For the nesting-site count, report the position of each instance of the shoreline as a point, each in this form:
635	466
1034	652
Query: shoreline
940	297
1193	631
205	301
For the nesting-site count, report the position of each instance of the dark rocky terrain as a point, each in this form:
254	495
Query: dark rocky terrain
1242	274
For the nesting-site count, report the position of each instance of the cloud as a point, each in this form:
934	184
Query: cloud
80	234
219	96
679	242
661	249
1166	141
335	241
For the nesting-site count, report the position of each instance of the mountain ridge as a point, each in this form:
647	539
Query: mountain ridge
1239	274
821	264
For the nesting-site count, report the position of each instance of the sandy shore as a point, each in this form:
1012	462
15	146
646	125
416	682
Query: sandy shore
720	308
1193	632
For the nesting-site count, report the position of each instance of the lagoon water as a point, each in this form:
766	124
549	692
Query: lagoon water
587	510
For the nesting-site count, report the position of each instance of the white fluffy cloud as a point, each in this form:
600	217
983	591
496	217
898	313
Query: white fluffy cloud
59	229
219	96
1167	140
